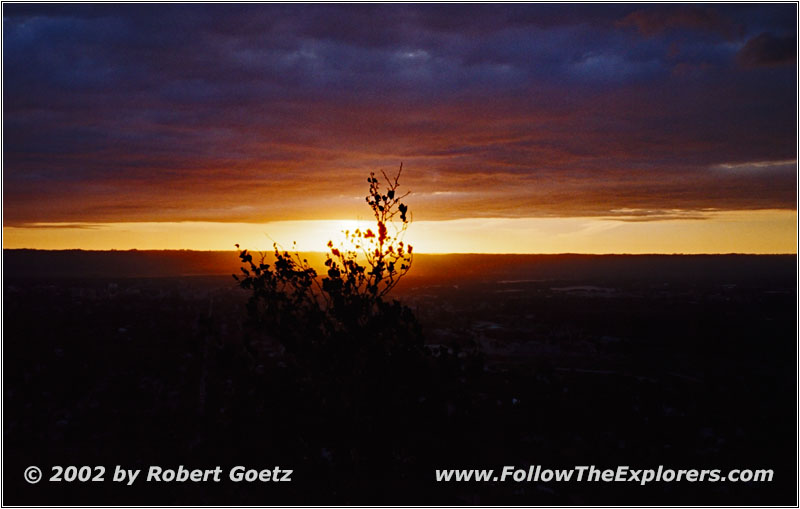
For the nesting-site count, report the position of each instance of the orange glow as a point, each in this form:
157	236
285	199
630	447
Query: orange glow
764	231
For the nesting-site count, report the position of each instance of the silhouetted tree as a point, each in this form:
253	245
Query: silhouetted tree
355	358
343	321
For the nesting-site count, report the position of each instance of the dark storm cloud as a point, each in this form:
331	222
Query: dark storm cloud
655	20
767	49
255	112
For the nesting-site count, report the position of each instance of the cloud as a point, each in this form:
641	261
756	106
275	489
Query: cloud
654	21
68	226
157	112
767	49
788	166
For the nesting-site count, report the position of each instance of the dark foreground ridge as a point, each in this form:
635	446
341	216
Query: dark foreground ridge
142	358
172	263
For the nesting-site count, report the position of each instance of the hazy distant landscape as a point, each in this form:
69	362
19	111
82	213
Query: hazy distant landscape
123	357
134	263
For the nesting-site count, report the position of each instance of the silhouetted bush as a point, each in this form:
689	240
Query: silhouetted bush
354	358
343	323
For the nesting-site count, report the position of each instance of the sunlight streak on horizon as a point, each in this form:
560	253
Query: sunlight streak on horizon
762	231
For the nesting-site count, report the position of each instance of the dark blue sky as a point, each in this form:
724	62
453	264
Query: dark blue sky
262	112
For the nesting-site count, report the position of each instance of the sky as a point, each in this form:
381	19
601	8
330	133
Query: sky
521	127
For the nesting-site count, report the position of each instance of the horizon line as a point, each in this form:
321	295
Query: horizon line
767	232
565	253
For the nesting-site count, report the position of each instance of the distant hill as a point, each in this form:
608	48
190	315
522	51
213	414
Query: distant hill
134	263
450	268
